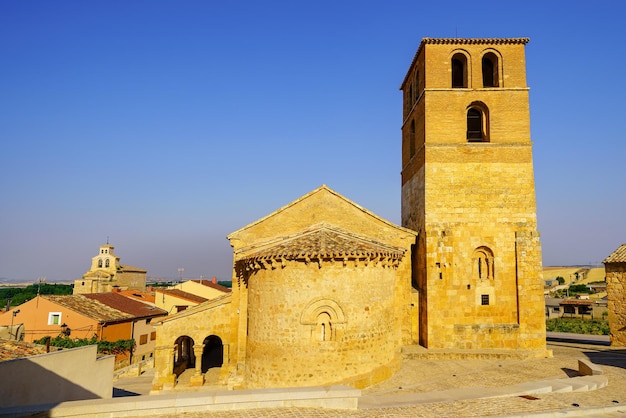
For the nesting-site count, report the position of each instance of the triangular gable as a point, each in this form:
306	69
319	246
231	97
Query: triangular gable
322	205
618	256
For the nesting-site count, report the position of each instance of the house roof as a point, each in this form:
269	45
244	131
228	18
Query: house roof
90	308
125	304
10	350
326	241
181	294
618	256
209	283
577	302
191	311
137	295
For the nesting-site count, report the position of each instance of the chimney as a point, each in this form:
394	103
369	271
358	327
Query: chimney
214	280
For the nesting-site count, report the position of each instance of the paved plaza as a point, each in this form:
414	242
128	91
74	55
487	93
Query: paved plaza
423	377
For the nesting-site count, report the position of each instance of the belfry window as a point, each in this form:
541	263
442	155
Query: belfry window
459	71
490	70
100	263
106	263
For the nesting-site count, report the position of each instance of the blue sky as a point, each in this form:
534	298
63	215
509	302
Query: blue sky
166	125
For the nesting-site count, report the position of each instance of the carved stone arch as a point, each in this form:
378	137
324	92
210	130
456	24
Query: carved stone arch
323	315
320	305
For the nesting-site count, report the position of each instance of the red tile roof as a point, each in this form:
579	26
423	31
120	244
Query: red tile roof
10	350
125	304
210	284
182	295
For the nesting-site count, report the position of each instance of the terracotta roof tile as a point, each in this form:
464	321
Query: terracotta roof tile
181	294
210	284
10	350
327	241
125	304
618	256
90	308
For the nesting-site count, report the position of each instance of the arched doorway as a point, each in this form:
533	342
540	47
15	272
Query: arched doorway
183	355
213	353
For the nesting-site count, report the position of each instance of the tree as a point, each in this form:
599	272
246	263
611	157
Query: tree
560	279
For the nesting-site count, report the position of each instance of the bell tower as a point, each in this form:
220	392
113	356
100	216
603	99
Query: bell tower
468	189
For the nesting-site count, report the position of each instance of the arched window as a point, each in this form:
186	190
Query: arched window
477	122
100	263
490	70
459	71
412	139
483	264
106	263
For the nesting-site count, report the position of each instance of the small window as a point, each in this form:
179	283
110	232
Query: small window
484	300
474	125
100	263
143	339
54	318
106	263
490	70
459	71
153	336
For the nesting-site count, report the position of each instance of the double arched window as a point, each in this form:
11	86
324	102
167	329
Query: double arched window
483	264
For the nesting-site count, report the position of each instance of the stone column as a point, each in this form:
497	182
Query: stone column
198	378
164	377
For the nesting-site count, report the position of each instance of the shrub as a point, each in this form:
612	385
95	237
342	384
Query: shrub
578	326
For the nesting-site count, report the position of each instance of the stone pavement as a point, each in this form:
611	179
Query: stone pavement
421	377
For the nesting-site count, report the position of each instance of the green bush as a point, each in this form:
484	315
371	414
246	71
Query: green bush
104	347
577	326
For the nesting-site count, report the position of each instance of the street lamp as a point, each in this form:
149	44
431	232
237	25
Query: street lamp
12	318
65	330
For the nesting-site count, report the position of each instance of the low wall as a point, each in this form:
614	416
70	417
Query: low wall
333	397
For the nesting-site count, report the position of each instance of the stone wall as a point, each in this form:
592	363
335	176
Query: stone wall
616	293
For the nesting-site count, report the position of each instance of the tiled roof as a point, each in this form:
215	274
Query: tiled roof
126	267
210	284
90	308
181	294
618	256
125	304
137	295
577	302
10	350
325	241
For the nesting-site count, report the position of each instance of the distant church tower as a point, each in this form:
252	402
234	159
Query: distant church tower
468	189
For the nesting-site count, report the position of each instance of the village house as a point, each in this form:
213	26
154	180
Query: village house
107	316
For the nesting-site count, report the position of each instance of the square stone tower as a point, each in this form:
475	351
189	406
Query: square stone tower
468	189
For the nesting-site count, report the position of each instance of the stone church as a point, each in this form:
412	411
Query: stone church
325	291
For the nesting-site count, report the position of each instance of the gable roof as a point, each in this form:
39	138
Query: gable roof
618	256
125	304
89	308
191	311
321	189
209	283
181	294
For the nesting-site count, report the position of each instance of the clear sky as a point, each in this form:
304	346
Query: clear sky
166	125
